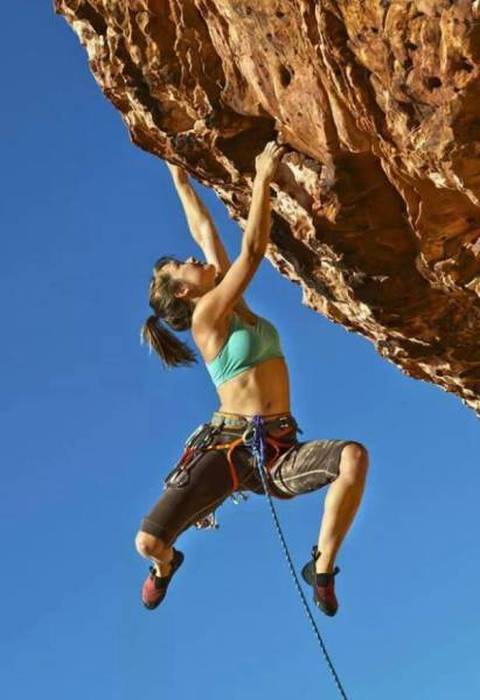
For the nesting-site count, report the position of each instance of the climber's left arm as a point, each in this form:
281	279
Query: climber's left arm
198	217
201	225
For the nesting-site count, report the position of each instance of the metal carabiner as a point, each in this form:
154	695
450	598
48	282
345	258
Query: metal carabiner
248	433
239	497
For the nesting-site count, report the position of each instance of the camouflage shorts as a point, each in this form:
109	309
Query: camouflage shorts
308	466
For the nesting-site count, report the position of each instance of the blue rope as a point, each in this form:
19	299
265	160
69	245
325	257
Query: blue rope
257	445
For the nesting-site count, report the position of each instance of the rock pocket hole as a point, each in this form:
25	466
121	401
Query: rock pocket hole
433	83
464	65
285	76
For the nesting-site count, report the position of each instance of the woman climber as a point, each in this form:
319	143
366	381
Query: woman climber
243	355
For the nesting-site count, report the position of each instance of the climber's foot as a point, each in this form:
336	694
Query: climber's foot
155	587
323	586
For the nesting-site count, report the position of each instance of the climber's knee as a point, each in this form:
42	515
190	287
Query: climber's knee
354	461
148	545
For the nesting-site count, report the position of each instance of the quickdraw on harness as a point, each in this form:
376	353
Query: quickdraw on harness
256	439
196	443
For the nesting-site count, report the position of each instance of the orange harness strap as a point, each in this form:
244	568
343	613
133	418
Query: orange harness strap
231	447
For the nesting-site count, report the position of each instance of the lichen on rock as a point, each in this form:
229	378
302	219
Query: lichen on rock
376	205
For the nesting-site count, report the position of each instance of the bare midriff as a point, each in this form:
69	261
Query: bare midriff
261	390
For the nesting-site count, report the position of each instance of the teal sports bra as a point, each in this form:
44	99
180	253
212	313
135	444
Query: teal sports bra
245	347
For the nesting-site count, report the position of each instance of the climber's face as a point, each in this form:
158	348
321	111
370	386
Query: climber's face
193	277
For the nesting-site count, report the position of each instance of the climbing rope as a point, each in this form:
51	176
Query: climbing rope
256	443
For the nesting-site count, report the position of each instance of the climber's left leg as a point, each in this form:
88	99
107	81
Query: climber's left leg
307	467
341	504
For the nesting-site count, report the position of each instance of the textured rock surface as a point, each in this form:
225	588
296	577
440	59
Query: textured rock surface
377	206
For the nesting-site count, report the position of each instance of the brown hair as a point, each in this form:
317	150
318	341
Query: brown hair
176	312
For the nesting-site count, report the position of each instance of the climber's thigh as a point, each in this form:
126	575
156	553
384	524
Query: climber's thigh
186	499
308	466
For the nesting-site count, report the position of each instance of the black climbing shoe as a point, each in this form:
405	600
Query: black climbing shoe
323	586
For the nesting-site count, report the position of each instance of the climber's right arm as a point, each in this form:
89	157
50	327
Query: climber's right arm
222	299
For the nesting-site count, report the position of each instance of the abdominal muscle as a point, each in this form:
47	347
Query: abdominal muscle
260	390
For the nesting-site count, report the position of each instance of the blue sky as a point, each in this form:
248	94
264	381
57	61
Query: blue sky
91	423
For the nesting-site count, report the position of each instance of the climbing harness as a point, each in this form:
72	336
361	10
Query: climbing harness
240	441
256	440
201	440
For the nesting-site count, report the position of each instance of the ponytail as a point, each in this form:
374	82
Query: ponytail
172	352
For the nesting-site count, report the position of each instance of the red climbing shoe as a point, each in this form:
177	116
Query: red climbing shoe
155	587
323	586
324	593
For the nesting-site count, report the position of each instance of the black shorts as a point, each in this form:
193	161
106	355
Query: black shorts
193	492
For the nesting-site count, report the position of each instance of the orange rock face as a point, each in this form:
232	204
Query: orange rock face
376	205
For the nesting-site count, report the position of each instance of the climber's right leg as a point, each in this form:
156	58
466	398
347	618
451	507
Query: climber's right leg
190	494
166	560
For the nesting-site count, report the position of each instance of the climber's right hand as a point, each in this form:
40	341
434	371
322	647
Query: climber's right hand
267	162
